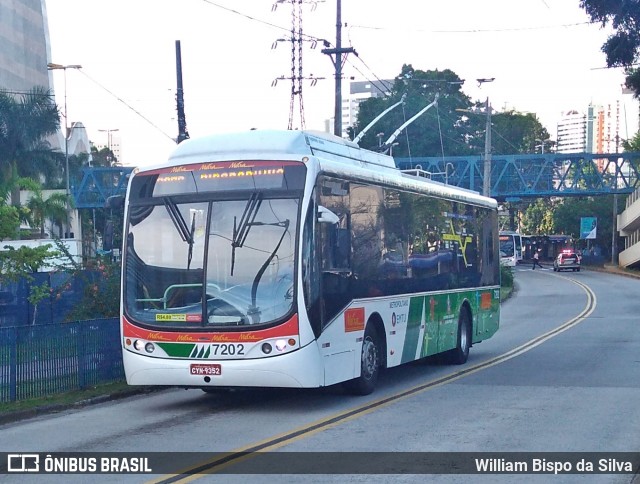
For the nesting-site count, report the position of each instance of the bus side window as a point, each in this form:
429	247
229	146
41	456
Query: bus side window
341	245
336	272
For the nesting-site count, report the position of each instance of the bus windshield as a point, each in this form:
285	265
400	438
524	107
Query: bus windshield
192	263
507	246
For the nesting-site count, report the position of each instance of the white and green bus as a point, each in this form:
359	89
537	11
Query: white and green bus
298	259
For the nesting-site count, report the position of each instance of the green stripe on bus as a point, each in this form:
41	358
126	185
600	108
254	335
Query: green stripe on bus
414	320
178	350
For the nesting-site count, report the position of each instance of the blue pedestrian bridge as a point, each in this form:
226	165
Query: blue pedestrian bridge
513	177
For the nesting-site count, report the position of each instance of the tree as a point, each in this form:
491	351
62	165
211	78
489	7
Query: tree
22	263
538	217
622	48
25	124
433	132
632	144
41	209
455	127
103	156
568	214
515	132
12	216
9	222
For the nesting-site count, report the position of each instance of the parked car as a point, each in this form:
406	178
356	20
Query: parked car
567	260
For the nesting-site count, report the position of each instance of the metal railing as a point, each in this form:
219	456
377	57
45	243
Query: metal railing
41	360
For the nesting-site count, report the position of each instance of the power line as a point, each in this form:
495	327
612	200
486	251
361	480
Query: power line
127	105
28	93
475	31
264	22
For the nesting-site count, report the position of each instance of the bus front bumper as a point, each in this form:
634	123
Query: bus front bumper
299	369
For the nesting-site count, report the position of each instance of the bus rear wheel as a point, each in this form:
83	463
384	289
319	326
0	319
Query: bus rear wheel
460	353
369	364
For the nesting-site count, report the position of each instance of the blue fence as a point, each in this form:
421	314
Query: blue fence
41	360
67	292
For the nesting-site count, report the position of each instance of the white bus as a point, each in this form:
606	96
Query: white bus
510	248
297	259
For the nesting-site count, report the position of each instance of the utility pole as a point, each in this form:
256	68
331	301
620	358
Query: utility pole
337	63
486	182
614	230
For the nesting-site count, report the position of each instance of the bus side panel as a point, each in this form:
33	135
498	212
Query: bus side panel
486	315
415	327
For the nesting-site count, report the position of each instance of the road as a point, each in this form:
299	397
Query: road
561	375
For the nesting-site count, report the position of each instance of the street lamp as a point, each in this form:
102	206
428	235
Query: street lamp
486	181
52	67
446	172
109	131
542	142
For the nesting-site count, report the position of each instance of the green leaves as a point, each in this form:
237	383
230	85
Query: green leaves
455	127
622	48
25	124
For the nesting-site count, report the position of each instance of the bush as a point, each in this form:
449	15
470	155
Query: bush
506	276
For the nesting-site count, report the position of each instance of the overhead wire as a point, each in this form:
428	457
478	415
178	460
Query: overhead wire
83	72
380	82
476	31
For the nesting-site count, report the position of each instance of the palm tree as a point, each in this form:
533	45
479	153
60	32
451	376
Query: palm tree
12	215
52	208
25	125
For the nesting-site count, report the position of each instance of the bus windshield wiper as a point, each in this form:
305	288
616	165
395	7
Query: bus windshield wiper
241	230
181	225
254	310
191	240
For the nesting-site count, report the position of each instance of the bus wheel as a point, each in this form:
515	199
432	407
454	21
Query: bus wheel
459	355
369	364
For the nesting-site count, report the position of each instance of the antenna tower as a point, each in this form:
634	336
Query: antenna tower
297	77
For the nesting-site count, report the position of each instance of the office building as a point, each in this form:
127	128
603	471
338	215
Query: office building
358	92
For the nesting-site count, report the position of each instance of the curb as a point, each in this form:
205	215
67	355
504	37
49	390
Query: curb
615	270
17	415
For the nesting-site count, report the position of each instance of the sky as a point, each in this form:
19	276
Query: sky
544	55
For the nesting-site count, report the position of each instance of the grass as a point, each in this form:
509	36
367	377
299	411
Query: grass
505	293
64	399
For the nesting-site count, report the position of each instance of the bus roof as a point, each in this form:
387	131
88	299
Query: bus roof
255	144
335	155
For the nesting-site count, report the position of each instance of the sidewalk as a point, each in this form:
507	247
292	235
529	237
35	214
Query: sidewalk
615	269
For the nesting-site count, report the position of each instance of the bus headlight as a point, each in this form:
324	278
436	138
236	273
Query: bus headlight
266	348
138	345
149	347
281	345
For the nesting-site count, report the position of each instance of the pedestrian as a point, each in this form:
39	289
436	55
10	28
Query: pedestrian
536	260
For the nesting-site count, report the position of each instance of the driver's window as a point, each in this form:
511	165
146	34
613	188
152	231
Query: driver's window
335	249
336	238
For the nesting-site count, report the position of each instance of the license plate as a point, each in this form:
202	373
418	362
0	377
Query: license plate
212	369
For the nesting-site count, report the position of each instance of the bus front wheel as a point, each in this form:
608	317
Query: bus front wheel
460	353
369	364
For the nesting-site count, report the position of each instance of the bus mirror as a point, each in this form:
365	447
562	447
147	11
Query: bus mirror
107	238
115	201
326	216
